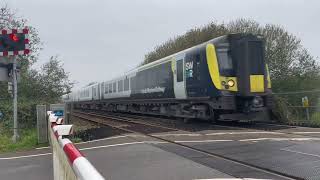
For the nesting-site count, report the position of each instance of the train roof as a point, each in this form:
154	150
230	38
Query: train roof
220	39
168	58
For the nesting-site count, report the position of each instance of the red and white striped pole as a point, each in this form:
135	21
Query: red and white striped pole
83	169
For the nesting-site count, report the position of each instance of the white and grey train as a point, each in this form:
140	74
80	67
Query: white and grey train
224	78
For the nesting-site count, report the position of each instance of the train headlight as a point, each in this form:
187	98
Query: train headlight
231	83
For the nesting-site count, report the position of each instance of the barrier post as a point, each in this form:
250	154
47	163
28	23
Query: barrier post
42	124
68	162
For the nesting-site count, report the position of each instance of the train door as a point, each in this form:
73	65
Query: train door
179	82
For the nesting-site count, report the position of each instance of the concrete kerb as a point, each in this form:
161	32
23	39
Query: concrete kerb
68	161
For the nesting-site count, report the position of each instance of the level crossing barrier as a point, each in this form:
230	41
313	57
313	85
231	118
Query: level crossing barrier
68	162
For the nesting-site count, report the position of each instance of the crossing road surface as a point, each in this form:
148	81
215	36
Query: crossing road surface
134	156
119	158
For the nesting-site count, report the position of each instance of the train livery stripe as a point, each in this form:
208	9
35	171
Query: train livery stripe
173	64
213	65
256	83
268	77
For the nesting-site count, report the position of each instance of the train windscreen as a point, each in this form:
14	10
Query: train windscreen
225	62
255	54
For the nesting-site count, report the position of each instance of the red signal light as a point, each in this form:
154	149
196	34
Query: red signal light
14	37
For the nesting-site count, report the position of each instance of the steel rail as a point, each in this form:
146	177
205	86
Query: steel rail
230	126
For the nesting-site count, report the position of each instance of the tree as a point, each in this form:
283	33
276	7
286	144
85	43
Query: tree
54	79
49	84
36	87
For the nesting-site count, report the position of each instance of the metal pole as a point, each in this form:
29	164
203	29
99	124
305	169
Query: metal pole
15	93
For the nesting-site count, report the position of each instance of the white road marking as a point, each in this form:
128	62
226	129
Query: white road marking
112	145
306	132
192	135
27	156
83	149
238	133
97	140
45	147
155	142
135	135
233	179
216	140
108	138
298	152
281	139
164	135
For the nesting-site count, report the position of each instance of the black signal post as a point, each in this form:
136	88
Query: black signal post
14	42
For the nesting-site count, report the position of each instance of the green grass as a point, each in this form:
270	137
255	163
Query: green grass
28	140
75	139
315	118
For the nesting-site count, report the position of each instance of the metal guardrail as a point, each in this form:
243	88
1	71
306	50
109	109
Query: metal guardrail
300	114
68	162
299	107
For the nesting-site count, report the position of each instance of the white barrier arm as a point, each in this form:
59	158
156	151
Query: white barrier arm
63	130
69	162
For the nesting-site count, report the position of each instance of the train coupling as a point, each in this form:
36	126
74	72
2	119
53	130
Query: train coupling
253	104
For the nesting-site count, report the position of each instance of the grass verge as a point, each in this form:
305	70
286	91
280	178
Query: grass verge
28	140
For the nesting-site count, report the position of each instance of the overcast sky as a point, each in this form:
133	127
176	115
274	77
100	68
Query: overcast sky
100	39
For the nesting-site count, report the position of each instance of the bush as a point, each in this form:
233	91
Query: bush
280	110
315	118
26	113
28	140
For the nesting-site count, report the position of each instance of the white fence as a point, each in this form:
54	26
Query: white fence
68	162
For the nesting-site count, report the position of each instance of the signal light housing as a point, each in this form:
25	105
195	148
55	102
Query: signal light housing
14	42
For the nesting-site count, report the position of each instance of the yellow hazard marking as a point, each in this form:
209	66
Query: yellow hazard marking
268	77
256	83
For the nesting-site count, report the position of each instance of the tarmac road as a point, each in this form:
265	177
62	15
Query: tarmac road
132	156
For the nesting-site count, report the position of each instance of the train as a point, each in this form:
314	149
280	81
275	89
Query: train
225	78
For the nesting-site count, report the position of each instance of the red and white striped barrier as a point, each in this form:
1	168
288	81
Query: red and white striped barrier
81	167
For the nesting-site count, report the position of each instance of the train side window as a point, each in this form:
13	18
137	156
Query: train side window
114	87
132	84
126	84
120	86
106	90
110	88
180	70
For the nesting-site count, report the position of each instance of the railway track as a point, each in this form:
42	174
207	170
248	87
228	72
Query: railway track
135	124
204	125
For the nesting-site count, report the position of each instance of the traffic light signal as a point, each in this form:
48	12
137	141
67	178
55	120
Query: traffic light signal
14	42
